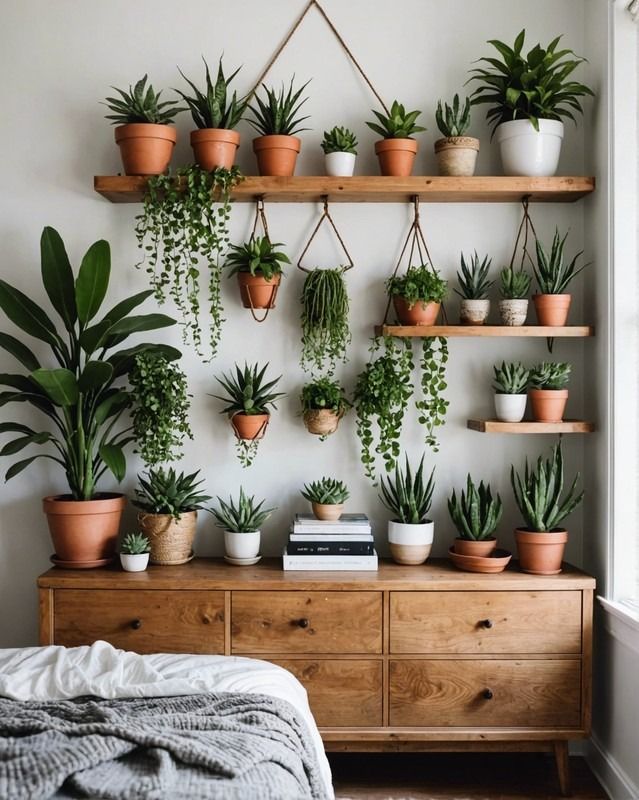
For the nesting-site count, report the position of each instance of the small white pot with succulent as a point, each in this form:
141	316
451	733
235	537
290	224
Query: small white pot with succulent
327	497
241	524
134	552
340	148
473	288
511	385
514	289
456	153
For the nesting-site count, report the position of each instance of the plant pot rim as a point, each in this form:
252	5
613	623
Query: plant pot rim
489	539
419	300
153	130
539	295
549	392
456	142
524	529
216	134
341	153
244	414
240	533
64	504
143	513
511	394
248	277
412	524
275	140
397	143
549	124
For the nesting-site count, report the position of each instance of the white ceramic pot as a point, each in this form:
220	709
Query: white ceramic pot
242	545
474	312
513	312
134	563
410	544
525	151
340	164
510	407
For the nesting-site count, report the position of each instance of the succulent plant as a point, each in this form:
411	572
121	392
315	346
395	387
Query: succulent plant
339	140
399	124
477	513
408	498
327	491
550	375
473	280
245	517
258	256
511	378
453	120
278	114
246	392
214	109
514	284
140	104
169	492
135	544
553	276
419	284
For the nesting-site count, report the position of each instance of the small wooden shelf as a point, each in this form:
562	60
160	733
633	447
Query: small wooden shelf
494	426
377	189
567	331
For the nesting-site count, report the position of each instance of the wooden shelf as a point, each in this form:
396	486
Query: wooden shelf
567	331
494	426
377	189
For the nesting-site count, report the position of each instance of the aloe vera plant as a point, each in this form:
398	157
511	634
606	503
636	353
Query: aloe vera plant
453	120
339	140
140	104
399	124
214	109
552	274
473	279
477	513
327	491
514	284
135	544
511	378
278	114
258	256
246	391
165	491
550	375
407	496
246	516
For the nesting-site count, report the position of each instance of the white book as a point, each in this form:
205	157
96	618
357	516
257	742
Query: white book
342	529
356	520
330	563
331	537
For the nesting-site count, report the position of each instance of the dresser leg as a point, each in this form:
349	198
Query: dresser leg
563	766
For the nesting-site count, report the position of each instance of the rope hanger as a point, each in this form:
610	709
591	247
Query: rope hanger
526	226
325	216
260	217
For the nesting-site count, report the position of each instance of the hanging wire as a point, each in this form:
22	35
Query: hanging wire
326	216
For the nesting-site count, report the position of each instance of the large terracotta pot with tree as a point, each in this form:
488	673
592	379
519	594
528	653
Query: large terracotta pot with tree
396	150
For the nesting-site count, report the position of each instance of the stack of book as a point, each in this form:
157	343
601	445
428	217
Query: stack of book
343	544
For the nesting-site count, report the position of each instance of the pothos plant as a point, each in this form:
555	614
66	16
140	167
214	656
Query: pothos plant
325	330
185	221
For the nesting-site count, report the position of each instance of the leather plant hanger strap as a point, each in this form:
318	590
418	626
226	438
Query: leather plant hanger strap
525	226
326	216
260	217
335	32
260	431
271	303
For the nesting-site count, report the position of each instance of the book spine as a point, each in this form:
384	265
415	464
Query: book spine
322	538
303	528
329	549
334	564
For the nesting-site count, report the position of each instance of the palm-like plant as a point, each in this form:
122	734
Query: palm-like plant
552	274
245	517
477	513
214	109
140	104
399	124
473	279
257	256
407	497
278	114
245	391
453	120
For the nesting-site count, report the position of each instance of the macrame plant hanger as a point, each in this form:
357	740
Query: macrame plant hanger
260	218
525	226
326	217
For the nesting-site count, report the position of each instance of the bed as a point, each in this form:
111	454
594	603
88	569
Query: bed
100	722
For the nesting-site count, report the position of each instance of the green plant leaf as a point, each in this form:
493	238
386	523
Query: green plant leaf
93	280
57	276
16	468
19	351
95	375
28	316
59	384
113	457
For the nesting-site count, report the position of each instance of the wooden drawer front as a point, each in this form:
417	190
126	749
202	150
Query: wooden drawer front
344	693
145	621
306	622
485	622
531	693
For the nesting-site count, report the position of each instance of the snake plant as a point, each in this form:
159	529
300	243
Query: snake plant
453	120
550	375
477	513
552	274
214	109
473	279
140	104
406	496
278	114
514	284
244	517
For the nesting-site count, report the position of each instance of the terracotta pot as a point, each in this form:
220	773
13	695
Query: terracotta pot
326	511
396	156
513	312
419	314
473	312
497	561
215	147
84	531
321	421
548	405
552	309
250	426
468	547
145	148
410	544
276	155
171	539
256	291
541	553
456	155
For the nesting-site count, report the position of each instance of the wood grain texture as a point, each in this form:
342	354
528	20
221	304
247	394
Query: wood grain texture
450	693
563	766
457	622
486	331
306	622
528	426
46	616
343	693
586	680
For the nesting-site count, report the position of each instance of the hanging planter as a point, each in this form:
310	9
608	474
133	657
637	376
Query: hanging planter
324	403
456	154
396	151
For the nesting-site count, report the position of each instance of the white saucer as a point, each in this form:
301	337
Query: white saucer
242	562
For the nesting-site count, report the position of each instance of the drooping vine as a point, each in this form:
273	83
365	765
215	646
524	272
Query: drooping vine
432	407
325	330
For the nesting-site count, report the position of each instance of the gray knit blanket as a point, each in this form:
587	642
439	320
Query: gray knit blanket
214	746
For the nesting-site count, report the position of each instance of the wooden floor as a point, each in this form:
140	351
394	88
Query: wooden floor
456	776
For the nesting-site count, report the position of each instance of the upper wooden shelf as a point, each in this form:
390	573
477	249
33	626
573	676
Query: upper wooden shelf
377	189
495	426
566	331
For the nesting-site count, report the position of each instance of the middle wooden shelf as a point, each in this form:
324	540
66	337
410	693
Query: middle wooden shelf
528	426
540	331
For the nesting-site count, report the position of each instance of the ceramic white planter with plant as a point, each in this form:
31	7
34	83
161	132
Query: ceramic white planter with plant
340	164
474	312
134	563
513	312
510	407
526	151
410	544
244	544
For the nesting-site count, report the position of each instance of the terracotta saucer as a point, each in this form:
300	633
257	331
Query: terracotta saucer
100	562
496	562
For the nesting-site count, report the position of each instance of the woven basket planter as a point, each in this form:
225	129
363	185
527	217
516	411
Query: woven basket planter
321	421
171	539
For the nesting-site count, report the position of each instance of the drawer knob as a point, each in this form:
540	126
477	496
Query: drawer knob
487	623
303	623
488	695
136	624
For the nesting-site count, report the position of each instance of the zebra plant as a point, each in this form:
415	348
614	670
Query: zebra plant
476	514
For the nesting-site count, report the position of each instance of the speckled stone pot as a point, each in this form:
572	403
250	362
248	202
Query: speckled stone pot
513	312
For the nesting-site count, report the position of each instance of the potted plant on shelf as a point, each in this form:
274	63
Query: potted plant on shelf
397	149
474	285
476	516
514	289
276	119
528	95
417	295
134	552
327	497
144	133
548	392
408	498
247	400
553	276
324	403
259	267
325	330
241	524
216	116
82	395
511	383
168	503
538	495
340	150
456	153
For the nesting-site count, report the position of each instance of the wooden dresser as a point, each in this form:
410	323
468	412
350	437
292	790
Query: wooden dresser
408	658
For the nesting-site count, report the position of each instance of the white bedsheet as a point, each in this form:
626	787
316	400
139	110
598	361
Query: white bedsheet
61	673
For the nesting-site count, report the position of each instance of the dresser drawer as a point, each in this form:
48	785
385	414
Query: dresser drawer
306	622
485	622
145	621
485	693
345	693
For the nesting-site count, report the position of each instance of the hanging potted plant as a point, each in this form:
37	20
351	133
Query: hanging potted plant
474	285
514	289
82	394
397	149
216	116
511	383
538	495
276	119
456	153
134	552
144	133
528	95
408	498
325	330
324	403
476	516
553	276
340	150
417	295
327	497
241	524
548	392
259	267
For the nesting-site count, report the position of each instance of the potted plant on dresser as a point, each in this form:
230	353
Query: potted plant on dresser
553	277
327	497
340	151
548	392
474	285
456	153
134	552
417	295
241	524
258	265
82	395
514	288
538	494
324	403
396	149
511	383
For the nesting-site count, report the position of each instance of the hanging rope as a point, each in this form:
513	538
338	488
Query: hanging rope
260	217
326	216
526	226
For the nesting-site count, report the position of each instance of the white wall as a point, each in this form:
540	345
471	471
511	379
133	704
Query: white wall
59	60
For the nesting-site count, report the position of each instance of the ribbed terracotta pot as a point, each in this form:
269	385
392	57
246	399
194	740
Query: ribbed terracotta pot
250	426
256	291
469	547
84	531
419	314
145	148
321	421
548	405
396	156
215	147
326	511
276	155
541	553
171	539
552	309
456	155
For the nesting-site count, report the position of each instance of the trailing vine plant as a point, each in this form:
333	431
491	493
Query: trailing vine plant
184	222
325	331
432	407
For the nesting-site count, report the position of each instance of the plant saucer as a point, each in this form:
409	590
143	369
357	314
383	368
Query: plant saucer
100	562
495	562
242	562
